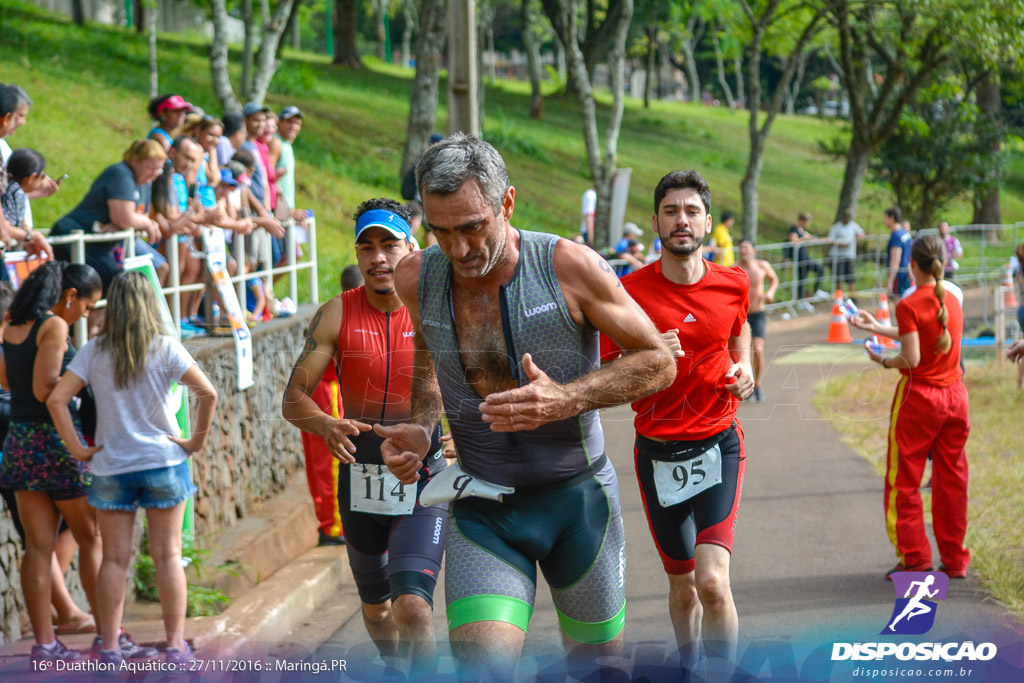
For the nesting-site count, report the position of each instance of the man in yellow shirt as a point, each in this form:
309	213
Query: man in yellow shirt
720	242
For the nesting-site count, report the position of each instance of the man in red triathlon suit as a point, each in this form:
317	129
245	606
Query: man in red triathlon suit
689	445
395	545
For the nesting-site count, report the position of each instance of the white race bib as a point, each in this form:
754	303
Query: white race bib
679	481
452	483
374	490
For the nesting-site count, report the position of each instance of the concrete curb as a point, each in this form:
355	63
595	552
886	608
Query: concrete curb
276	606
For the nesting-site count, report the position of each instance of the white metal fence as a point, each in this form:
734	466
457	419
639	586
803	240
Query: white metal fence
78	240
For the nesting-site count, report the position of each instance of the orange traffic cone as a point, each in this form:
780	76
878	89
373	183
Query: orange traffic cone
838	329
882	316
1009	295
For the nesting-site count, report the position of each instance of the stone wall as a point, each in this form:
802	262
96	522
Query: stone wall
247	457
251	449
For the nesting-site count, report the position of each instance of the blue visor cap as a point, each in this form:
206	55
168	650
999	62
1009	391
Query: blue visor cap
382	218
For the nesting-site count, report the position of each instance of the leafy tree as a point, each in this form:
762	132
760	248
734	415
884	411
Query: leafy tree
941	150
432	18
891	49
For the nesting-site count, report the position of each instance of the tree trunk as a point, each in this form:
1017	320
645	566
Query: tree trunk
721	71
409	13
423	100
652	46
77	12
139	12
853	178
219	75
152	14
247	20
265	12
741	89
266	59
560	66
691	70
379	9
291	28
794	90
987	209
602	165
533	68
346	49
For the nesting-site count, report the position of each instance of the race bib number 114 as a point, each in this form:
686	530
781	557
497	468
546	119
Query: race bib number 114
374	490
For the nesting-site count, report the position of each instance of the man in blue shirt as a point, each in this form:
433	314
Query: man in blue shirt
899	253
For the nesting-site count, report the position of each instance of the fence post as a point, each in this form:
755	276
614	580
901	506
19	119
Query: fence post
174	279
314	286
78	256
293	280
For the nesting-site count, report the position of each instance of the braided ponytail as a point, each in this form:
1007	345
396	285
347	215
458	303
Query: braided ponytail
929	253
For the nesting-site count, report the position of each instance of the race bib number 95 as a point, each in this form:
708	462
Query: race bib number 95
680	481
374	490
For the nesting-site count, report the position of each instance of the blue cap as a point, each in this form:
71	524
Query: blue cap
227	177
382	218
436	138
254	108
290	111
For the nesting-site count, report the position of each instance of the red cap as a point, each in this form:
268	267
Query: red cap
174	102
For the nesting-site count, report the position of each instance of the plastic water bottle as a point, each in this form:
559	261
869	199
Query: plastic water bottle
873	345
849	308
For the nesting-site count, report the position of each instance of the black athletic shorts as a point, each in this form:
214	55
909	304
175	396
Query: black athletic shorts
845	271
708	517
757	321
394	555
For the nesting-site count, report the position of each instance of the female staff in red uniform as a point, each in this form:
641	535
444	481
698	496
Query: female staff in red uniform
929	415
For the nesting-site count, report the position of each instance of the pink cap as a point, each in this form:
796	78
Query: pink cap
174	102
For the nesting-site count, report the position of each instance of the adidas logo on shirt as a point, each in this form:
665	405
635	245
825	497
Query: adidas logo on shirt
689	318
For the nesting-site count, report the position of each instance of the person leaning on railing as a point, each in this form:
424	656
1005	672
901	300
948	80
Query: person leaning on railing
114	202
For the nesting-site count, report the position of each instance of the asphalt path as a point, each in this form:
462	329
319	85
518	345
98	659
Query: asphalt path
810	551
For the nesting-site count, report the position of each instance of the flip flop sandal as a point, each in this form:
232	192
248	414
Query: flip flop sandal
85	625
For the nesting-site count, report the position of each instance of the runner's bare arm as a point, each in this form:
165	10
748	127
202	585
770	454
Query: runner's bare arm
773	281
298	406
406	445
594	297
739	351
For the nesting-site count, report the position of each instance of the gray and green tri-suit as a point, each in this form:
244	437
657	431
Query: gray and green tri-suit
565	512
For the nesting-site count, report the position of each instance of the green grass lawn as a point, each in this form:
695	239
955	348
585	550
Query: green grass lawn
90	86
859	408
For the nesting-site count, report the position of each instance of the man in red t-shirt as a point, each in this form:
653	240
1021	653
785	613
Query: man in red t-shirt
689	446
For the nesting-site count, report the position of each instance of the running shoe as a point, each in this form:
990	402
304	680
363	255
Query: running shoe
129	648
327	539
759	394
114	659
180	658
806	306
953	574
822	295
904	568
57	653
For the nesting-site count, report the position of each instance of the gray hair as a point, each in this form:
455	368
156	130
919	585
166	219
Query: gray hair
446	166
21	97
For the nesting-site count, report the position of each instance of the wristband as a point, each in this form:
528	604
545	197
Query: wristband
884	361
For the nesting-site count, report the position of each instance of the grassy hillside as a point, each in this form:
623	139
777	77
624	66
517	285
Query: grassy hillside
90	87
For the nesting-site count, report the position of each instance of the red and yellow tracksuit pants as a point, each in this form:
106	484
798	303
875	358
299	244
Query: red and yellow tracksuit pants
321	466
928	419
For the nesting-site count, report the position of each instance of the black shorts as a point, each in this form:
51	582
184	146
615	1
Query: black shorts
757	321
708	517
845	271
394	555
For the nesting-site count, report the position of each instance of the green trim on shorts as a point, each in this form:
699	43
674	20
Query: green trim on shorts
504	608
593	633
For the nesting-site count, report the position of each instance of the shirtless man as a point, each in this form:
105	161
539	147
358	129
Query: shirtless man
507	328
758	272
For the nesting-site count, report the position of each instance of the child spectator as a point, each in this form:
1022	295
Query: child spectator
139	459
25	174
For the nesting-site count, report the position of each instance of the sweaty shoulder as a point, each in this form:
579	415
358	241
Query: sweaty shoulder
407	277
578	266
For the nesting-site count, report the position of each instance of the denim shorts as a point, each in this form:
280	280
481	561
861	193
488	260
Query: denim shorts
160	488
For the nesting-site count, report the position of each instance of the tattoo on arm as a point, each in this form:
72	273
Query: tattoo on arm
606	267
310	345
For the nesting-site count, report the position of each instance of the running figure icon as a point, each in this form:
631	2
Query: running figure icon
916	607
